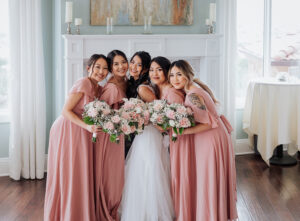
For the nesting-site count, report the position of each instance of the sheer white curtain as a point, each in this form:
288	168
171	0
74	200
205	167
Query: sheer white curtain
27	93
226	25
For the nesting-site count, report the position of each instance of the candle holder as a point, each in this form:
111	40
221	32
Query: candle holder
78	29
109	25
147	25
69	31
211	28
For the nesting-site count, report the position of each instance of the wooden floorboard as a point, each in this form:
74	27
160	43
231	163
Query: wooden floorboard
264	193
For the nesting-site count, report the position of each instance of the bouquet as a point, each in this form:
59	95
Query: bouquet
95	113
134	116
157	113
112	125
178	117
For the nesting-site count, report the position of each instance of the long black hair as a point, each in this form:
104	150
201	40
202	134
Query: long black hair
143	78
110	58
165	64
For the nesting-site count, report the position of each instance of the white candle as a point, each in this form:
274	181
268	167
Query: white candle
207	21
78	21
69	11
212	12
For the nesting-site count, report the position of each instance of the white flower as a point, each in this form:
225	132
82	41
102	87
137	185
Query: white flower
172	123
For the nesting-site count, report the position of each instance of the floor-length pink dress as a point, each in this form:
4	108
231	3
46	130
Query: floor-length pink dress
70	190
182	167
109	164
214	176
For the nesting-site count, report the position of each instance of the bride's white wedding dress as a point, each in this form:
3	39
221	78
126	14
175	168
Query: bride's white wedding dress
147	194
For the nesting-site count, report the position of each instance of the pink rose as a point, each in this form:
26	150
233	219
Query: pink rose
170	114
125	115
184	122
181	110
109	126
126	129
92	112
116	119
159	119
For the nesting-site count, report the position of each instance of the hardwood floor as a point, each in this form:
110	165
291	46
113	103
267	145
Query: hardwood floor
263	194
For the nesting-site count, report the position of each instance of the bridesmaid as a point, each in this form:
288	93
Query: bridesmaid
109	157
210	176
139	74
70	190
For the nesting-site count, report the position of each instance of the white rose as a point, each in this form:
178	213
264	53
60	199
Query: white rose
172	123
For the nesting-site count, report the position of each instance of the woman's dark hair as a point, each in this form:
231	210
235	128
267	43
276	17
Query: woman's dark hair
143	78
110	58
92	60
145	57
165	64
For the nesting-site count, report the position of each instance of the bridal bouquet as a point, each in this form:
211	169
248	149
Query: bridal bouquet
157	113
134	116
178	117
95	113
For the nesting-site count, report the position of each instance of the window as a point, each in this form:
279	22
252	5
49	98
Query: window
4	55
268	41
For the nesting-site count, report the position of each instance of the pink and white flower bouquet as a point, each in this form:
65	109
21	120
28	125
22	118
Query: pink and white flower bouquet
112	126
95	113
157	113
178	117
134	116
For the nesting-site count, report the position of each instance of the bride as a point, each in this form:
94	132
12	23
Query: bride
147	194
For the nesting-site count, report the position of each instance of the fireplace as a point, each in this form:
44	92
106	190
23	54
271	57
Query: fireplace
201	50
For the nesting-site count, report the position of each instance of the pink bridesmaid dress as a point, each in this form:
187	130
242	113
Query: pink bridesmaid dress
182	168
109	164
70	190
212	175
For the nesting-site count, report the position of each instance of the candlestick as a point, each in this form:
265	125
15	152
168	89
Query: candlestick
69	12
78	21
212	12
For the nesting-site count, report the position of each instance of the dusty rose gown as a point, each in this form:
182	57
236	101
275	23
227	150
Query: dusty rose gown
70	190
109	164
181	160
211	174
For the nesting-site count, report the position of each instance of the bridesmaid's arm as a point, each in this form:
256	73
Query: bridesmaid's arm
146	94
68	113
197	129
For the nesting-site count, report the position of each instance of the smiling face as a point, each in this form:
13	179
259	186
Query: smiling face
119	66
177	78
135	67
156	74
99	70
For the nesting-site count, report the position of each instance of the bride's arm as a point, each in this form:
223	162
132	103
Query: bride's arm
146	94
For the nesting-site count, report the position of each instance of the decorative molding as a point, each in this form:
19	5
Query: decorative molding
202	49
4	165
243	147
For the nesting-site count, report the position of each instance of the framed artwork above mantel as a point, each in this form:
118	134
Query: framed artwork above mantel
132	12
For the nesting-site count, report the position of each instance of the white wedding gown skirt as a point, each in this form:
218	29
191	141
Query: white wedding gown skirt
147	194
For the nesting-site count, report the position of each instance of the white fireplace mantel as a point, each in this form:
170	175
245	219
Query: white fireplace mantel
204	48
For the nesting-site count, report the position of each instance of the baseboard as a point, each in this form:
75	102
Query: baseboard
4	165
243	147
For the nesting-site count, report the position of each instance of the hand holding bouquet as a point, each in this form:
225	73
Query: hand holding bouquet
179	117
95	113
